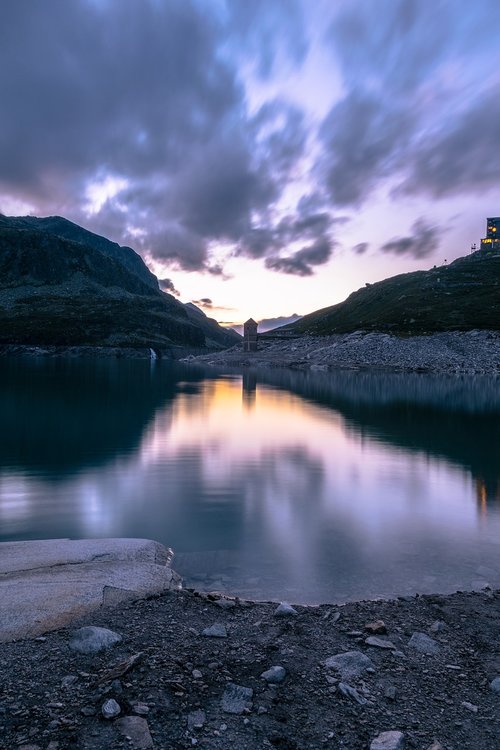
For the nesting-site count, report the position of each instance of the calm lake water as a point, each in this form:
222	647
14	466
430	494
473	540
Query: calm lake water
308	487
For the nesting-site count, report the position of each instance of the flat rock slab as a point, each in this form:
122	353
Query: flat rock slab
47	584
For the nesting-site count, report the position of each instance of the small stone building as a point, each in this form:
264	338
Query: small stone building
250	336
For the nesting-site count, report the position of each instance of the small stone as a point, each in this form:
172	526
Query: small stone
246	722
226	603
285	610
236	699
438	627
217	630
495	685
88	711
69	680
423	644
349	692
110	709
196	719
29	747
274	675
141	709
136	730
197	675
372	640
388	741
261	710
390	692
92	640
376	628
435	746
470	707
350	664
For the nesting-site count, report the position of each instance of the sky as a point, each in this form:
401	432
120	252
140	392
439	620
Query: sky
265	157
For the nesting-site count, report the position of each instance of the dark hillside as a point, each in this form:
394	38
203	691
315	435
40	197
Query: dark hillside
462	296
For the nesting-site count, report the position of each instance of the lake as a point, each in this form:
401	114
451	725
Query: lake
304	486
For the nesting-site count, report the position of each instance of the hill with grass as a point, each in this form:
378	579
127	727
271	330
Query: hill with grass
61	285
461	296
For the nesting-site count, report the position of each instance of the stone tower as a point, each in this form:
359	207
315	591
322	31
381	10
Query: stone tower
250	336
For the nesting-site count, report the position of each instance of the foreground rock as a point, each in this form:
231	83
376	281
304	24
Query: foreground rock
166	686
47	584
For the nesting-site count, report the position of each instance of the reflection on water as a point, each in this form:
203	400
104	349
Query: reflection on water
305	486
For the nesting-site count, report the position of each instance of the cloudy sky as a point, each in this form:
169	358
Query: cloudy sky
266	157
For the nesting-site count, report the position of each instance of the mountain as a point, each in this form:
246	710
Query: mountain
62	285
463	295
214	333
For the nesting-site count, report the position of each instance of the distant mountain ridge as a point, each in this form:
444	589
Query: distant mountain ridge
463	295
62	285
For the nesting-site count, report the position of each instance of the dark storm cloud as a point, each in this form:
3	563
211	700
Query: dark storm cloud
302	262
203	302
361	248
267	324
149	94
420	102
168	286
420	244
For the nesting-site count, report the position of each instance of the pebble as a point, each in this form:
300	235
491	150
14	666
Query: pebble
136	730
377	627
285	610
226	603
274	675
350	692
92	640
495	685
390	693
196	719
141	709
69	680
470	707
110	709
217	630
372	640
438	627
388	741
196	674
236	699
423	644
435	746
350	664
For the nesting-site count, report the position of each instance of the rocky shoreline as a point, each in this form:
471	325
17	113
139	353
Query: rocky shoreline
457	352
184	669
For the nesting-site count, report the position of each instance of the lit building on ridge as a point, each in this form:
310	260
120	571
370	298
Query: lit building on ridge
492	239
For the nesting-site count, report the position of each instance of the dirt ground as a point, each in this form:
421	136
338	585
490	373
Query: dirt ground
51	697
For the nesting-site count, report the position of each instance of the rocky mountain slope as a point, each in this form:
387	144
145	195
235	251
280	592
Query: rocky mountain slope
61	285
462	296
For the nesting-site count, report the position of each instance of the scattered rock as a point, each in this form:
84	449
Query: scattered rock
435	746
140	709
285	610
470	707
217	630
92	640
196	719
69	680
349	692
350	664
372	640
136	730
274	675
196	674
495	685
226	603
110	709
236	699
423	644
388	741
377	627
390	692
438	627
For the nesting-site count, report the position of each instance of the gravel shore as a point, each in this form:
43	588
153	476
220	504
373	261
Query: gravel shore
185	670
464	352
